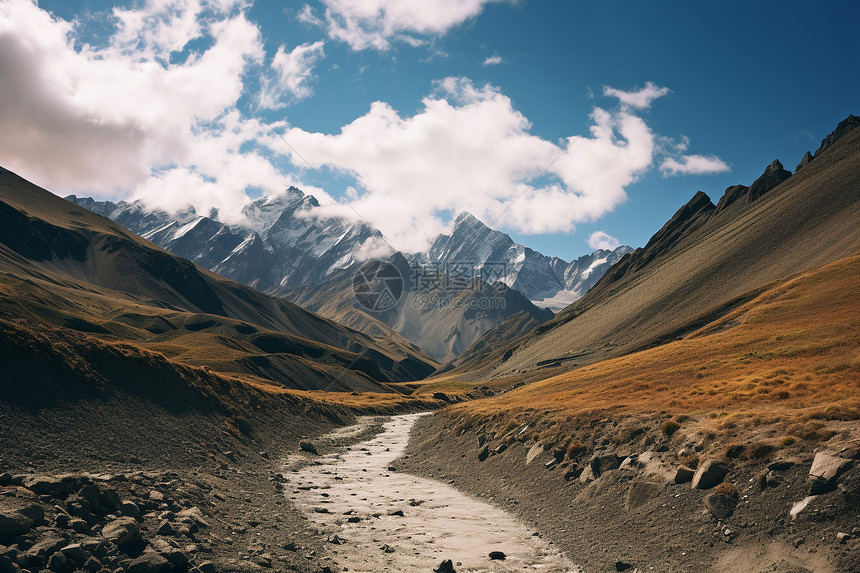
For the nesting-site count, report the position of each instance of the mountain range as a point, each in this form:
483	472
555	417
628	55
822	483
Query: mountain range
287	248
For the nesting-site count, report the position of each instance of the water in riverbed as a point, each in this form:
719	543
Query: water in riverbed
355	501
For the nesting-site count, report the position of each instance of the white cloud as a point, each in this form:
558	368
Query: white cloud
308	16
376	23
493	60
694	165
639	99
124	120
600	240
293	73
468	149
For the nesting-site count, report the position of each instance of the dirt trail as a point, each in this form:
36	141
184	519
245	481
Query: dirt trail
381	520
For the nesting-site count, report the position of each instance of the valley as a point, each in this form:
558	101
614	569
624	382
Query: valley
695	409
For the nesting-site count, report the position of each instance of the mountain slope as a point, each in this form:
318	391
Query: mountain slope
65	266
702	263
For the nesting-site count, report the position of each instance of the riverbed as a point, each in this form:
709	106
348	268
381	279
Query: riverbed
378	519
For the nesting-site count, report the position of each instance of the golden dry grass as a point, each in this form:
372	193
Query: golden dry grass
791	356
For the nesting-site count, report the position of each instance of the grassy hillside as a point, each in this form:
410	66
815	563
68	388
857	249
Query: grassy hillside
66	267
706	262
782	366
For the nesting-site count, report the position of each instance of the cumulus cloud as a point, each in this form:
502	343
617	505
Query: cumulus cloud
293	73
639	99
600	240
130	117
694	165
493	60
378	23
468	149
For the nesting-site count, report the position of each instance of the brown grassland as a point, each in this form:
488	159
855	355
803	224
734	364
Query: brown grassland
783	366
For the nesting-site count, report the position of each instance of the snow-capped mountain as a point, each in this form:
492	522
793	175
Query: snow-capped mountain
547	281
286	247
284	242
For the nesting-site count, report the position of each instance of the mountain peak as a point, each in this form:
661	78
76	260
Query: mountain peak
466	218
845	126
772	176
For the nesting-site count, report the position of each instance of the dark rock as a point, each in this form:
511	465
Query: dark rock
149	562
57	562
441	396
165	528
483	454
498	555
550	464
308	447
207	567
78	525
353	519
92	565
92	495
44	485
6	565
17	518
129	509
446	566
684	474
397	513
500	448
772	176
803	162
122	531
845	126
80	508
75	553
842	537
5	479
62	520
622	566
110	500
709	474
573	472
721	505
604	463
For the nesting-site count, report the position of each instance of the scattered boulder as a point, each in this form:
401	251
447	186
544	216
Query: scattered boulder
44	485
110	501
75	553
826	469
92	495
684	475
622	566
842	537
709	474
18	518
573	472
122	531
483	454
308	447
149	562
500	448
604	463
5	479
446	566
195	515
498	555
129	509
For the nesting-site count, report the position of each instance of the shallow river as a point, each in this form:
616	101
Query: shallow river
355	501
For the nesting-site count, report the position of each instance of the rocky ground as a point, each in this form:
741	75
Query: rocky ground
665	506
225	514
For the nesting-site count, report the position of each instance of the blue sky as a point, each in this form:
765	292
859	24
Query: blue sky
554	121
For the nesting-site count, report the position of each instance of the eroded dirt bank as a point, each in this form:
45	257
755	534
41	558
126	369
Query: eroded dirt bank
611	511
